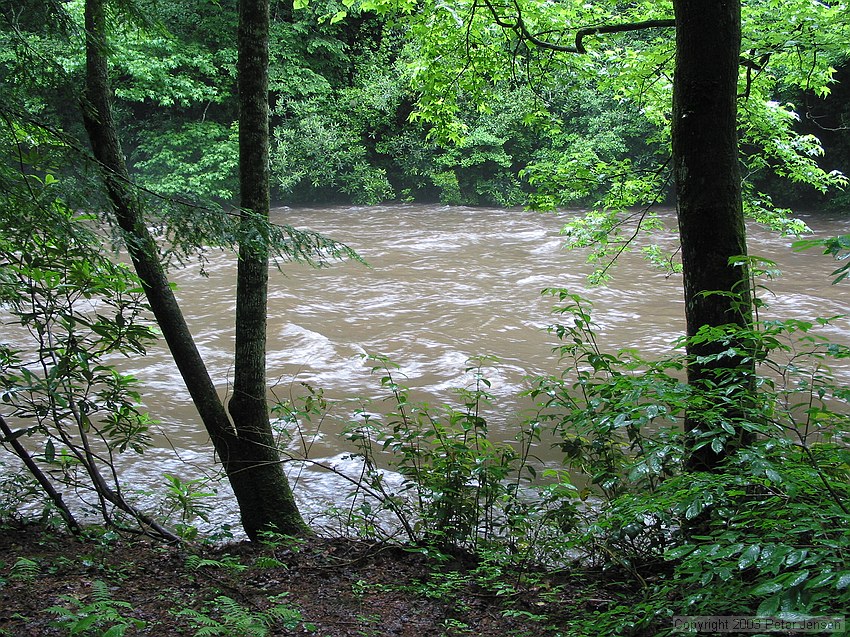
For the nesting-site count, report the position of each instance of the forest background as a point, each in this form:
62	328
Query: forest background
349	124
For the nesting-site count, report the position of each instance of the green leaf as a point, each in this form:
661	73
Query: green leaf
767	588
749	557
679	552
769	606
717	445
820	580
798	579
84	624
796	556
49	451
843	581
773	476
693	510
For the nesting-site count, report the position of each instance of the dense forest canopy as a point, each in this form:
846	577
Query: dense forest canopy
361	97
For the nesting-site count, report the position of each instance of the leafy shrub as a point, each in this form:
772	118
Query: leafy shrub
75	308
767	533
458	486
197	161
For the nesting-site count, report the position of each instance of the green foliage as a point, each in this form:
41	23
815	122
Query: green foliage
375	100
837	247
196	162
74	310
226	617
187	498
775	545
765	534
226	562
327	157
154	68
448	187
266	561
483	166
600	153
459	486
603	406
102	616
75	306
605	115
333	122
24	569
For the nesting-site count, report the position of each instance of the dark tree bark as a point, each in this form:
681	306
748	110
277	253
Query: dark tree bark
262	505
708	189
103	136
261	470
19	450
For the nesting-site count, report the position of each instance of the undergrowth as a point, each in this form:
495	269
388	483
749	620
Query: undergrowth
765	534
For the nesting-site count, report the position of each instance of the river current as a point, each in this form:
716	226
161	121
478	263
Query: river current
442	285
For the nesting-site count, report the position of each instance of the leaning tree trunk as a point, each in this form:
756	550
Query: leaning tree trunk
260	470
236	452
708	195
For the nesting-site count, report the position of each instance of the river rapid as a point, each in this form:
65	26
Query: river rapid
443	285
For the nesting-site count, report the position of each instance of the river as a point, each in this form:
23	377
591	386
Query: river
443	284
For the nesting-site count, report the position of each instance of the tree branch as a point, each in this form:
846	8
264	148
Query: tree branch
11	438
518	26
620	28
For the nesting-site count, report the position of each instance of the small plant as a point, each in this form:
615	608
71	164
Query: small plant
187	500
225	617
452	627
227	562
764	532
441	585
274	540
267	561
24	570
458	484
359	589
101	617
612	412
78	309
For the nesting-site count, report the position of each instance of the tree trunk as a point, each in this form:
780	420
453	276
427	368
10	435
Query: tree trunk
260	470
236	454
708	192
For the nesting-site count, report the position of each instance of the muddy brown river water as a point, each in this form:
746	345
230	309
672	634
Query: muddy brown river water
444	284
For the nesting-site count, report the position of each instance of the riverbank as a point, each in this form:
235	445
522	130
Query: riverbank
58	585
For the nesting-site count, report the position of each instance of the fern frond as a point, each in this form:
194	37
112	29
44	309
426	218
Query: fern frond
265	561
195	562
24	569
100	592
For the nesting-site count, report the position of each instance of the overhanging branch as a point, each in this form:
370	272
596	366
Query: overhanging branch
517	25
620	28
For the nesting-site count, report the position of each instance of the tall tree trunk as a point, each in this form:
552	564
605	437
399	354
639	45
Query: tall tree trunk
708	189
231	448
261	470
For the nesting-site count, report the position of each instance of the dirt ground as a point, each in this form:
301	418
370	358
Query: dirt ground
323	587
